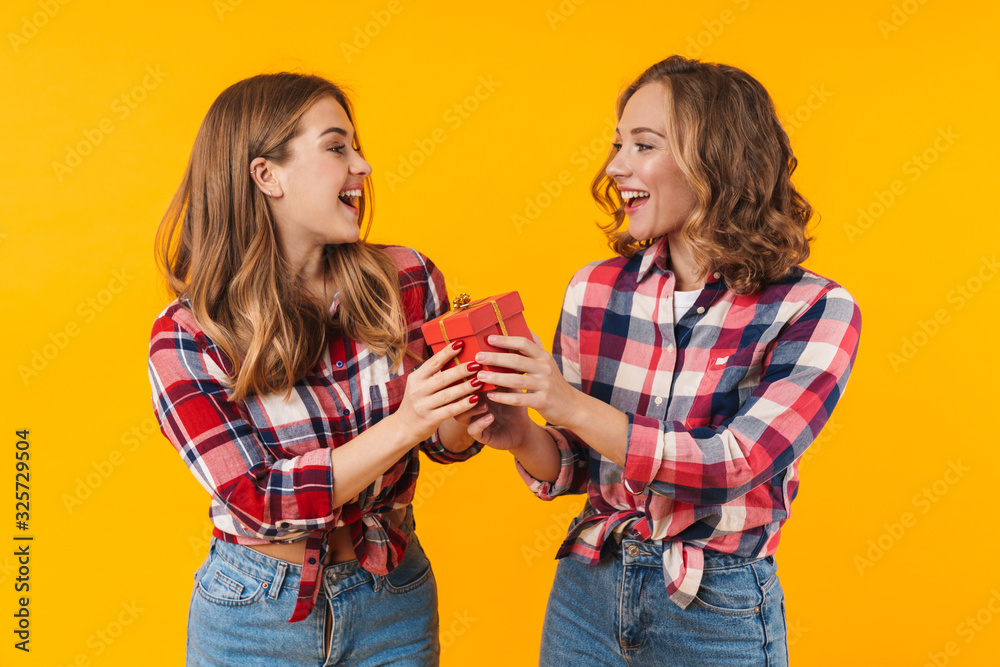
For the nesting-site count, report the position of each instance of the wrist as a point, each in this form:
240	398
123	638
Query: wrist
395	433
539	455
454	436
534	435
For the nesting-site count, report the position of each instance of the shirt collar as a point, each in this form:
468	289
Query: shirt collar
656	256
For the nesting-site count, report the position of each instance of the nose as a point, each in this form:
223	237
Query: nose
360	166
617	168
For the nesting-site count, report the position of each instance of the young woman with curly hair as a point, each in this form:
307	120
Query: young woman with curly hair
286	375
688	376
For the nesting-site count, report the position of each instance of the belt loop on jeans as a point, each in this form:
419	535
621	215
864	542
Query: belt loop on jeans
377	581
279	579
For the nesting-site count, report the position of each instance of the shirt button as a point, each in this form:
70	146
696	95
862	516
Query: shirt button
659	400
632	550
283	524
701	309
716	275
670	348
346	412
312	561
340	364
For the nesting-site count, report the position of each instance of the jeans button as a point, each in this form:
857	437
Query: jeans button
633	550
334	578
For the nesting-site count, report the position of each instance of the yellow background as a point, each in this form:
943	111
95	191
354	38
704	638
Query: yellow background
888	554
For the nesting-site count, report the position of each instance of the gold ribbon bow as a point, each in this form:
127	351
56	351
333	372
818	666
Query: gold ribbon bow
462	302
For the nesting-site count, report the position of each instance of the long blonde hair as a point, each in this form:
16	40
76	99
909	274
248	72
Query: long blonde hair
749	221
218	244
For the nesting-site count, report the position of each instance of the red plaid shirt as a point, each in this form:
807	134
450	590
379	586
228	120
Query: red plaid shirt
266	461
721	404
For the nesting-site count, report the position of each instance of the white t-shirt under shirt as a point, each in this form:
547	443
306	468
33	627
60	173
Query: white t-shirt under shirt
683	302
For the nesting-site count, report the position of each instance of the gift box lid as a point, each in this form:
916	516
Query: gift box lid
466	321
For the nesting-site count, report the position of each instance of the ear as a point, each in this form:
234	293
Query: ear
264	177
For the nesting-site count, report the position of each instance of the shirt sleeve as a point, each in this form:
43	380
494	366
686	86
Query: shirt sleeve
435	304
271	497
574	454
803	377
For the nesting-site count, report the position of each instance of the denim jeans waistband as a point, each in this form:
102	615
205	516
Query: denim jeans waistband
284	574
650	552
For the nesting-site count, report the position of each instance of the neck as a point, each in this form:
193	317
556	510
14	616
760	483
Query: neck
682	263
309	266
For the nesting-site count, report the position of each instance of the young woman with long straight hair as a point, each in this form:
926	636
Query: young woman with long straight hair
291	376
689	375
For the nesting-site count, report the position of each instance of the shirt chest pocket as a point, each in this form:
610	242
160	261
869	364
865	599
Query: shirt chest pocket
728	379
723	371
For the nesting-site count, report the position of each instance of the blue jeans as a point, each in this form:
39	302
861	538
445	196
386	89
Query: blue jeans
617	612
242	601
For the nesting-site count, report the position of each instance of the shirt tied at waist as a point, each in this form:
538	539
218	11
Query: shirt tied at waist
378	544
683	566
683	562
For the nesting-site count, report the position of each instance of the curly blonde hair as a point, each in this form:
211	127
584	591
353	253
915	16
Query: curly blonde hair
749	222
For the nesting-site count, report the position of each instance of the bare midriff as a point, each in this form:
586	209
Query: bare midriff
341	550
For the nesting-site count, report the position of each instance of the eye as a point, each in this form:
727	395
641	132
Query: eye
643	147
339	150
617	147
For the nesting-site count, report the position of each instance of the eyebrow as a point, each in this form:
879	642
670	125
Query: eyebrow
640	130
328	130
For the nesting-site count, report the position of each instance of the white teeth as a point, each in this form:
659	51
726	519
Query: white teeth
351	193
631	194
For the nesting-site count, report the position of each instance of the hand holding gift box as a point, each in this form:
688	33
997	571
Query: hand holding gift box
473	322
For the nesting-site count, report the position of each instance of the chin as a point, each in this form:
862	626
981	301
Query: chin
347	236
640	234
343	240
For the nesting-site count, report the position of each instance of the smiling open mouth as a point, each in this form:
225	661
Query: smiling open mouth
634	200
350	198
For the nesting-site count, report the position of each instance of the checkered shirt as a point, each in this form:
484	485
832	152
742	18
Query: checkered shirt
720	404
265	461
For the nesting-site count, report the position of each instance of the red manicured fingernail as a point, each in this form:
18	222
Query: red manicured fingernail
458	345
473	367
474	398
476	382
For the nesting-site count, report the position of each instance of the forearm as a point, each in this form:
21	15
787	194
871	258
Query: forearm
603	427
358	463
454	436
538	454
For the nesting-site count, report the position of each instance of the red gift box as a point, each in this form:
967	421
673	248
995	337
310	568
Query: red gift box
472	322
